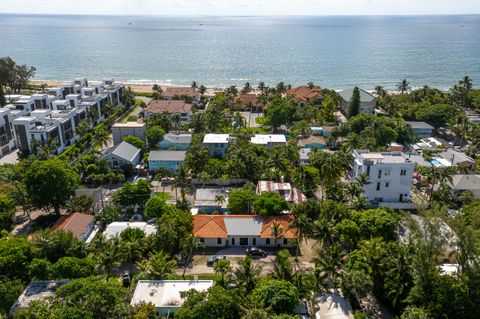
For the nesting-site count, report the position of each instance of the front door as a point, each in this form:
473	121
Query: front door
243	241
233	241
401	198
254	242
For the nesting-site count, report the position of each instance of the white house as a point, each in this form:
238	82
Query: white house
269	140
217	144
243	230
390	176
165	294
116	228
122	154
291	194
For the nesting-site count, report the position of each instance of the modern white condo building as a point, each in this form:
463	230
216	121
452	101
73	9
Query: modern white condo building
390	176
55	114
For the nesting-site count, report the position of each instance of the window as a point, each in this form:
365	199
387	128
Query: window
219	241
378	186
379	173
285	241
267	241
243	241
202	240
254	241
403	172
368	171
387	185
387	172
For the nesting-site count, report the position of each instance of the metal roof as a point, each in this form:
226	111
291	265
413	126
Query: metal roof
364	95
247	226
167	156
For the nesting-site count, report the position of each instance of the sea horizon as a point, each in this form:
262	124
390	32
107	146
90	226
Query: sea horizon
219	51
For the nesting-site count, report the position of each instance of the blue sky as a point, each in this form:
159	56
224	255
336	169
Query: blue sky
242	7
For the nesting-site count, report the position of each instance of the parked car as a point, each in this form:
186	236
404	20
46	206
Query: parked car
255	252
211	260
126	279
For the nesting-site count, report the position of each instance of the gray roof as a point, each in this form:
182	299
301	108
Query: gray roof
421	125
247	226
37	290
209	193
304	153
456	157
167	156
178	138
364	95
466	182
125	150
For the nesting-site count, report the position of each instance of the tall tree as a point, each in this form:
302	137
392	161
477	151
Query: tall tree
50	184
354	106
403	86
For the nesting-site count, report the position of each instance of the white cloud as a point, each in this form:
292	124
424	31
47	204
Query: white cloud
242	7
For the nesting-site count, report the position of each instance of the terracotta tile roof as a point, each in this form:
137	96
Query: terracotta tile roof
304	93
213	226
248	98
160	106
76	223
180	91
284	221
209	226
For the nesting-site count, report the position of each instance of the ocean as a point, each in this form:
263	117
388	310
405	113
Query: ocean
335	52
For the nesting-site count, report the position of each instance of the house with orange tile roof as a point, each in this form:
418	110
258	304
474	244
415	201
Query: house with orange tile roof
173	107
246	100
182	93
80	225
243	230
304	95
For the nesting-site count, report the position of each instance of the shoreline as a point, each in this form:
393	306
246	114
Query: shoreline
145	86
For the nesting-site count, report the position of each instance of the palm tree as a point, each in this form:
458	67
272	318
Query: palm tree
219	199
222	266
403	86
158	266
261	87
107	109
182	178
283	268
239	121
102	137
92	115
328	264
82	128
311	85
466	83
380	91
247	88
202	89
276	231
108	255
194	85
247	274
281	88
132	245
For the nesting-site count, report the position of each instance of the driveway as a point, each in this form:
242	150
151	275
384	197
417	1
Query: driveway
250	118
10	158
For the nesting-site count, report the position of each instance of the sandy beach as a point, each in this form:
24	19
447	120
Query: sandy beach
136	86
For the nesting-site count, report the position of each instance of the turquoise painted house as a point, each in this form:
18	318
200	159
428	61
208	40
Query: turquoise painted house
176	142
170	160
